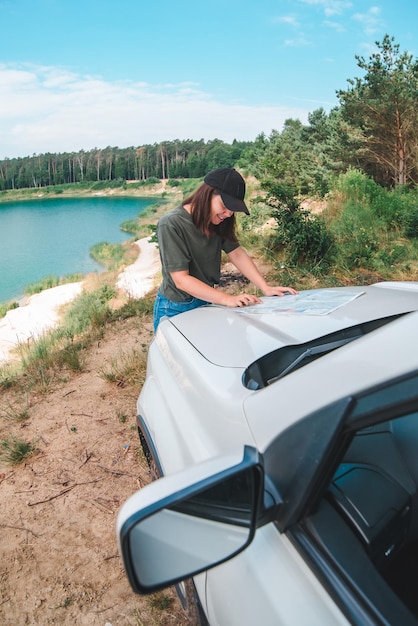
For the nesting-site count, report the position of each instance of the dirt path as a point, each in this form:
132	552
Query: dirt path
59	561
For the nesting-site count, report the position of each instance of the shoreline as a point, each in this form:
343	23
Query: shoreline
40	313
144	191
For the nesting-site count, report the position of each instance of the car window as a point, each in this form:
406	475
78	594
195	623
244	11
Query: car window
363	526
375	490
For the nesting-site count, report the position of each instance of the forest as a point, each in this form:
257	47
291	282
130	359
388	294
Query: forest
374	129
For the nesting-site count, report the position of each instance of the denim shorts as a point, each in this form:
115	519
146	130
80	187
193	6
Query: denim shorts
164	307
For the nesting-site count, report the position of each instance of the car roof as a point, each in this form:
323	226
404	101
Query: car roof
238	337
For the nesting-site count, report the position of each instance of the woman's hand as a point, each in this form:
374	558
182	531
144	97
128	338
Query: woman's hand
279	291
246	266
242	299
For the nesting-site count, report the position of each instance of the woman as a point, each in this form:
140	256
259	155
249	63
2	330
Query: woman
191	239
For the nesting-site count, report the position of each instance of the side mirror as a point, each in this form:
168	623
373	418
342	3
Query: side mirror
175	528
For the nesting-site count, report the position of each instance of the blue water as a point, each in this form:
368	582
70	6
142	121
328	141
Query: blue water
52	236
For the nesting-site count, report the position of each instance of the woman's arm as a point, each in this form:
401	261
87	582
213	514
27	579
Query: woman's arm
199	289
247	267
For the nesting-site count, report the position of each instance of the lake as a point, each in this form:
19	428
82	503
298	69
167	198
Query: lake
53	236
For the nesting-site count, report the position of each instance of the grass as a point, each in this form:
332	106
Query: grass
7	306
51	281
90	310
15	413
126	368
157	602
135	307
49	358
110	255
59	353
14	450
8	375
121	416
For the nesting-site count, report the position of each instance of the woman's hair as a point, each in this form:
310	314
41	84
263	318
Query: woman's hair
200	202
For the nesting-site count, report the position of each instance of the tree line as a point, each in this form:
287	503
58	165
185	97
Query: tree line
169	159
374	129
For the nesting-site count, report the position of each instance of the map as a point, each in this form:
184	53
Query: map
314	302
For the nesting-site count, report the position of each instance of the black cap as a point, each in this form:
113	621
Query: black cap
231	186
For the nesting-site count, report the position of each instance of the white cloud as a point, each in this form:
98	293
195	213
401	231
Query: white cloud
371	21
48	109
287	19
331	7
298	42
337	26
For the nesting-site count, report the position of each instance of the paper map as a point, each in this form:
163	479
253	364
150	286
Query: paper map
314	302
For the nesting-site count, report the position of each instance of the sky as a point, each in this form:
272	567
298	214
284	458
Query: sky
84	74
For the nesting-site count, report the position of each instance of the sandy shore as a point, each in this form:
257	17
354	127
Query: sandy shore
139	278
41	312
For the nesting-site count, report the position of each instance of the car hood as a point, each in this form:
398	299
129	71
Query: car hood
235	337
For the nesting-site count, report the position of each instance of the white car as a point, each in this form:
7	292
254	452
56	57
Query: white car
286	438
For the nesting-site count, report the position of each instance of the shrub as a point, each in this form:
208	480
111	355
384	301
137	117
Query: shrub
411	223
356	186
302	236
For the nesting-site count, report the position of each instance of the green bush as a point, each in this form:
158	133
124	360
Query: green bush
152	180
411	223
302	236
356	186
108	184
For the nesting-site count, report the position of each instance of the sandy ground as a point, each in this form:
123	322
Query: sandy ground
41	312
59	561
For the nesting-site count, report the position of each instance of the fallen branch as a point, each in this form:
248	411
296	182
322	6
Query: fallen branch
88	457
19	528
64	491
57	495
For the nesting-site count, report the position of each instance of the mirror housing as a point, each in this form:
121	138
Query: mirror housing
191	521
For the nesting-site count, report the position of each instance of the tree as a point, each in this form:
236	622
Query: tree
303	157
382	108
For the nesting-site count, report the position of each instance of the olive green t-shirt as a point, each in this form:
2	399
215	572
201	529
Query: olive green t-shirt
183	247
